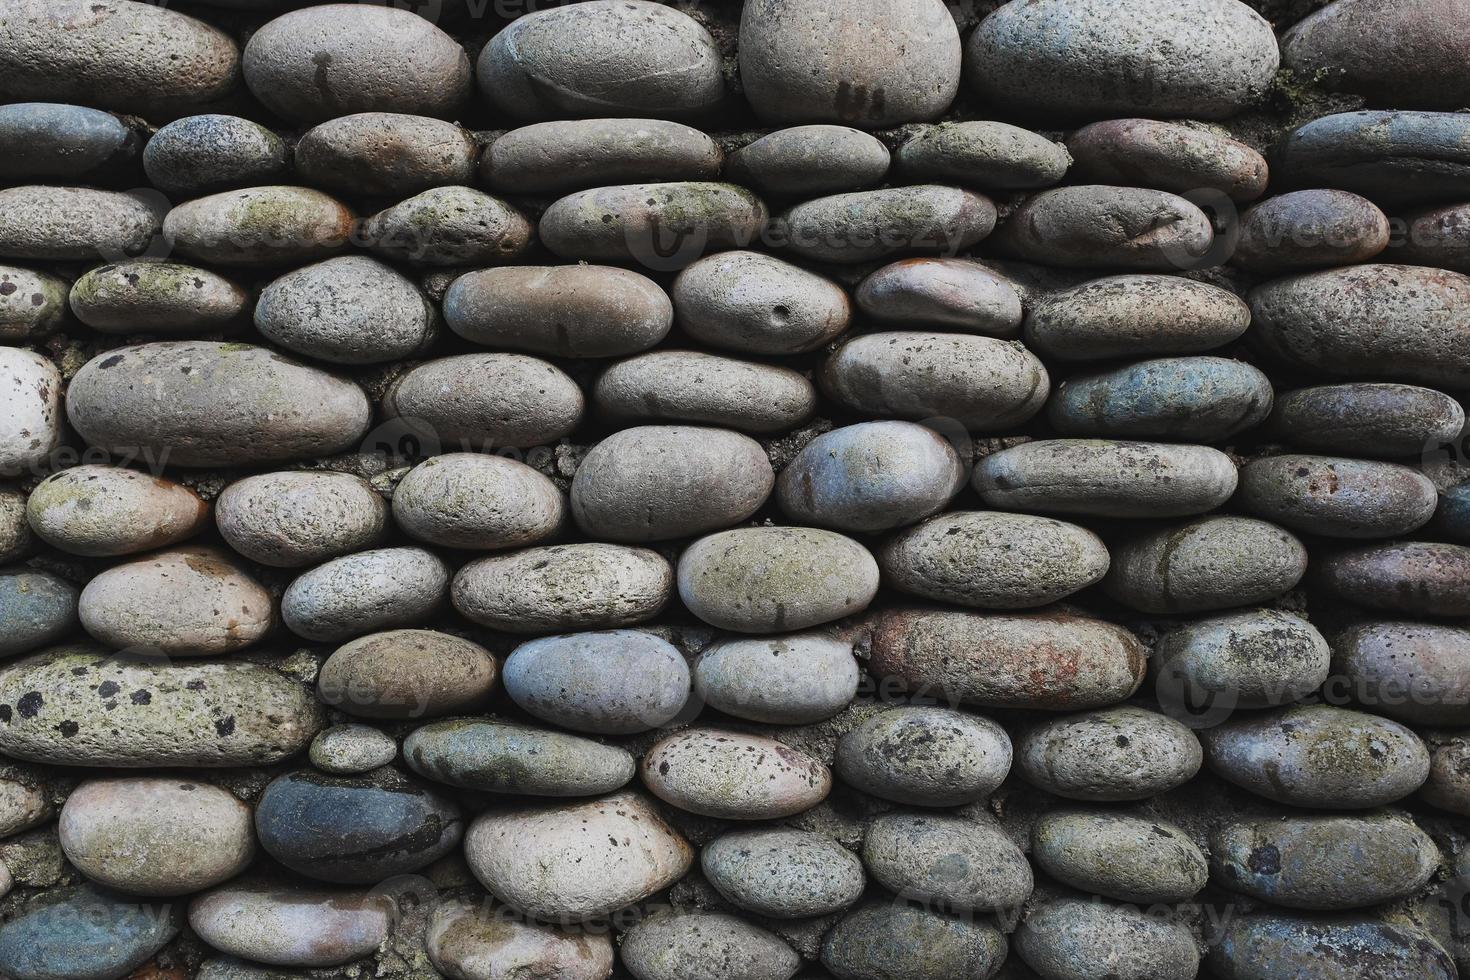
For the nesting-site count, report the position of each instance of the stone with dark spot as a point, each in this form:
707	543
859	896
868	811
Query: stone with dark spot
1417	578
1255	658
158	297
783	873
891	939
1120	855
758	304
32	304
103	511
925	756
733	776
355	829
1336	497
1274	944
385	153
1121	753
1367	418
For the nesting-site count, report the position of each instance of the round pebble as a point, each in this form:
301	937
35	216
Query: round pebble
385	153
695	945
38	608
614	683
1418	578
956	294
1254	658
100	511
1098	226
890	939
1310	229
1340	498
32	304
1119	855
55	142
487	401
406	674
1410	671
498	757
269	225
203	154
663	226
733	776
758	304
347	310
810	160
470	500
1076	939
82	932
30	395
1184	399
364	591
989	155
296	518
1261	944
1393	158
705	389
16	538
448	226
1114	754
1448	785
573	154
1167	156
947	861
779	680
345	750
782	873
925	756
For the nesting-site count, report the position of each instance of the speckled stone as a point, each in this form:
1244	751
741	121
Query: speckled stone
795	679
1316	948
957	294
30	399
465	940
615	683
501	757
37	608
1254	658
1367	418
1167	156
158	297
984	154
584	586
448	226
733	776
758	304
1204	59
1414	672
1310	229
888	939
1318	756
663	226
166	403
810	160
292	925
208	713
1448	785
1054	660
1340	498
16	537
473	500
705	389
698	945
1453	513
863	226
1418	578
385	153
84	932
783	873
1077	938
770	579
1134	316
32	304
979	383
1393	158
364	591
200	155
993	560
52	142
1325	862
404	674
487	401
1184	399
270	225
295	518
46	223
951	862
345	750
1089	226
99	511
575	861
1119	855
355	829
1436	236
1119	753
348	310
925	756
573	154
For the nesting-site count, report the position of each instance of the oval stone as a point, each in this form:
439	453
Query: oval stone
292	925
448	226
1072	938
187	602
158	297
32	304
1339	498
1367	418
575	861
16	539
957	294
866	63
1207	564
559	310
1438	237
1415	672
364	591
1325	862
30	397
733	776
83	932
52	142
869	477
1448	786
1399	322
1049	660
1119	753
758	304
1204	59
208	713
169	403
656	482
782	873
662	226
1318	756
1118	855
770	579
1317	948
984	154
154	836
1256	658
96	511
573	154
333	60
345	750
260	226
925	756
613	58
76	223
993	560
779	680
1185	399
1394	158
1105	478
1419	578
584	586
705	389
465	939
471	500
862	226
1170	157
1452	515
697	945
487	401
1309	229
890	939
1098	226
118	55
945	861
616	682
982	383
386	153
37	608
347	310
200	155
355	829
1134	316
295	518
499	757
807	161
404	674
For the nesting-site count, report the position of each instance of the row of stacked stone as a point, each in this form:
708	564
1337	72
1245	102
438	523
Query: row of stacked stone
638	543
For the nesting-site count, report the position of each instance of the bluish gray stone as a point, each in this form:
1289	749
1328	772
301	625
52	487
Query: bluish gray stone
500	757
199	155
615	682
1275	946
36	608
84	932
1393	158
1184	399
782	872
55	143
